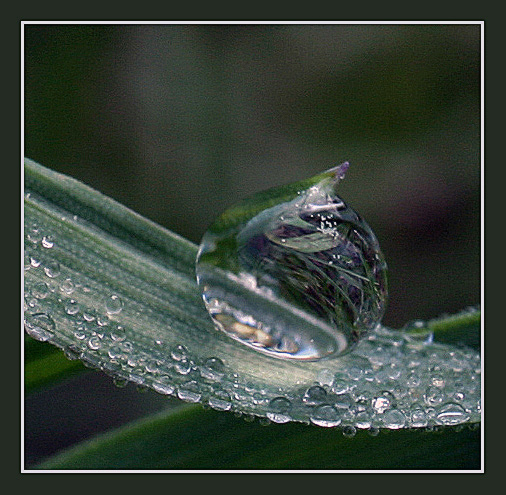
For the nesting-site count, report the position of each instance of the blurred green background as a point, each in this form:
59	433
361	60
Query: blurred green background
180	121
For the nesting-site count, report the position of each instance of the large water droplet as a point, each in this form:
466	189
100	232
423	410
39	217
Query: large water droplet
294	272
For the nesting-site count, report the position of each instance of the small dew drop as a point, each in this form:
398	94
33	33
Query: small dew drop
120	382
183	367
314	395
80	333
451	414
113	305
47	241
34	261
349	431
94	343
71	307
213	369
67	286
40	326
189	392
40	290
325	415
394	419
433	395
279	408
163	385
52	270
118	334
220	401
179	352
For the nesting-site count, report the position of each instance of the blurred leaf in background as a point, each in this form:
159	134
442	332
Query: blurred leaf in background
180	121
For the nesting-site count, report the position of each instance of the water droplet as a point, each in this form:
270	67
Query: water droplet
349	431
279	408
40	326
120	382
34	261
47	241
451	414
382	403
94	343
314	395
418	417
71	307
67	286
40	290
189	392
80	333
118	333
113	305
115	352
220	401
213	369
163	385
433	395
179	352
52	270
394	419
183	367
340	385
363	420
267	281
325	415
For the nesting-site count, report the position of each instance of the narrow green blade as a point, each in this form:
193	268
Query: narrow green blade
195	439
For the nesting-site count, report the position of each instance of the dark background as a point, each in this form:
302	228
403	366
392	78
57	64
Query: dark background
179	121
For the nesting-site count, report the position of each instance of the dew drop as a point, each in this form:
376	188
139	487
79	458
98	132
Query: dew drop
394	419
118	333
349	431
71	307
34	261
163	385
113	304
183	367
40	326
47	241
189	392
220	401
94	343
52	270
40	290
115	352
278	410
297	277
179	353
451	414
213	369
433	395
314	395
325	415
67	286
120	382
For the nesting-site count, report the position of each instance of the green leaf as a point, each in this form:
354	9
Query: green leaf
119	293
46	365
192	438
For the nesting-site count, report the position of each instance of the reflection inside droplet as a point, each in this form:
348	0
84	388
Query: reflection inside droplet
294	272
